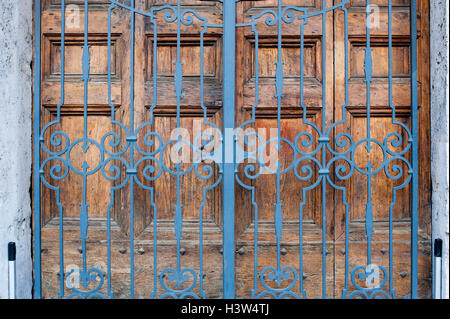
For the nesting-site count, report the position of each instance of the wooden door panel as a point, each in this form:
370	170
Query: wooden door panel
166	57
267	56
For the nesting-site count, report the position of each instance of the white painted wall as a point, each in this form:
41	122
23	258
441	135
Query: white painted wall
15	141
439	37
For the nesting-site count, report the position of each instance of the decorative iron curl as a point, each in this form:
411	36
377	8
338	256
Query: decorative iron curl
251	170
178	143
306	170
85	278
282	295
262	149
179	296
380	167
278	276
178	277
306	139
205	144
374	294
187	17
149	140
247	139
170	13
55	141
206	168
395	140
288	16
114	141
271	19
55	169
341	170
342	140
113	169
363	273
149	172
396	169
85	141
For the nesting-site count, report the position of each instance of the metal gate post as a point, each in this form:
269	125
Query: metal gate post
229	52
36	155
415	130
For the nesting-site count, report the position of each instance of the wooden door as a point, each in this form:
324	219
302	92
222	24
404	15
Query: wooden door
125	189
117	225
328	234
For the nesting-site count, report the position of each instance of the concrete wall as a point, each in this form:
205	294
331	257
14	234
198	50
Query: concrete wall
439	36
15	141
16	123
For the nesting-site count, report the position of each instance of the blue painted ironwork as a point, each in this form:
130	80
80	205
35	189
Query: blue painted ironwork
277	281
36	150
229	146
414	165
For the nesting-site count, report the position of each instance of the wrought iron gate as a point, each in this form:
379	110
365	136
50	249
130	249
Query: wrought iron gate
137	149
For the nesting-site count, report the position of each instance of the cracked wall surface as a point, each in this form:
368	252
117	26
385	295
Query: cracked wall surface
439	59
15	141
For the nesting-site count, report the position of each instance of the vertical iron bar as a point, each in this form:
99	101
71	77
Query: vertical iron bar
324	159
155	212
205	120
61	216
391	250
37	127
86	66
368	71
368	80
414	126
132	49
300	217
279	94
84	218
344	192
83	226
229	33
108	217
255	243
178	218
